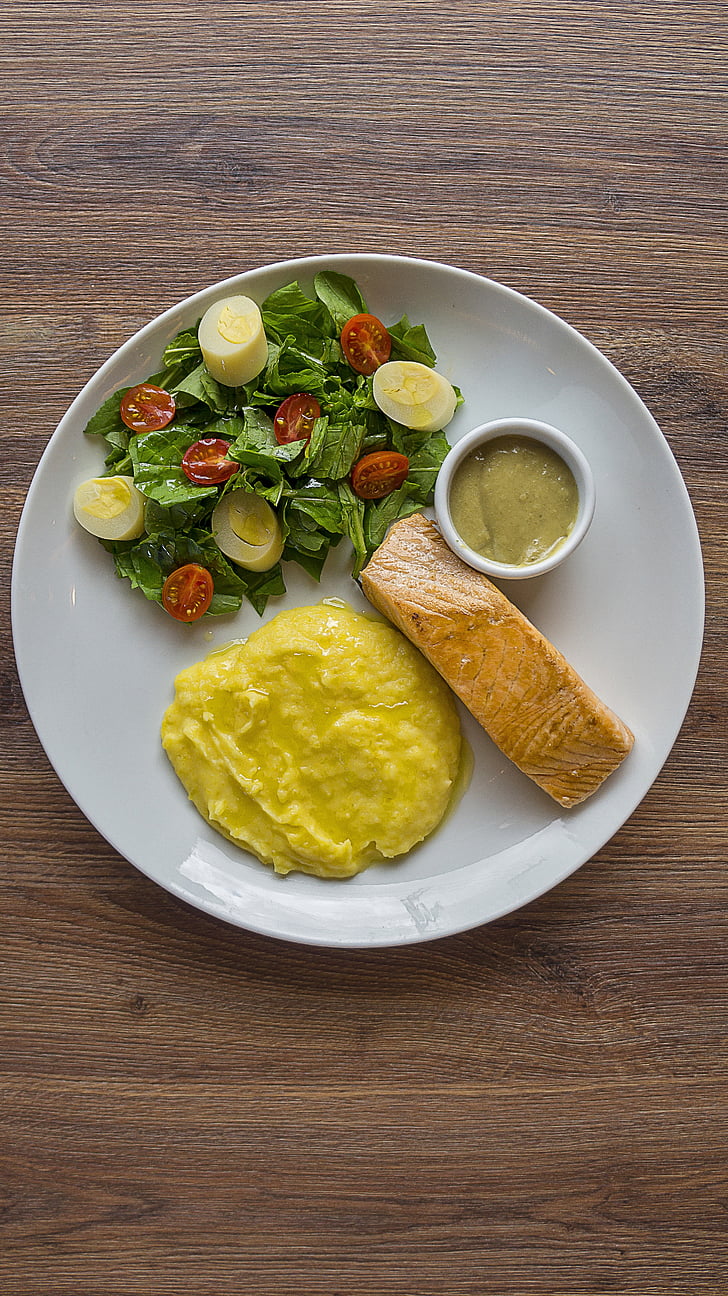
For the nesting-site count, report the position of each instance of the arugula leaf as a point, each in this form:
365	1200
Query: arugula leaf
288	312
199	385
260	586
318	503
184	348
256	447
425	464
333	448
148	563
107	421
158	472
313	564
381	514
340	295
410	342
228	427
257	430
261	463
291	369
118	463
363	398
407	440
303	535
175	517
352	511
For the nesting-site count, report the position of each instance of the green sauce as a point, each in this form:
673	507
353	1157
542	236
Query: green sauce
513	500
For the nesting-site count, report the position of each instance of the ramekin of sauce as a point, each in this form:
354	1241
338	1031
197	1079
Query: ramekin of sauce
514	498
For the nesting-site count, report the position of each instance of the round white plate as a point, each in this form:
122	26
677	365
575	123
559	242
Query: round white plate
97	661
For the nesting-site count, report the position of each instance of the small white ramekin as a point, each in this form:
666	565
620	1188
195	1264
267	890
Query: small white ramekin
536	431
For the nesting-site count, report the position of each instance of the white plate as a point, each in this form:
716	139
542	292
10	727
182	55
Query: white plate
97	661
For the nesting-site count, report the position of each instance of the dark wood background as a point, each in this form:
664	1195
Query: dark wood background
536	1107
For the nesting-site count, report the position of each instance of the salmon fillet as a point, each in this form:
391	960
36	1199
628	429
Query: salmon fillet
519	687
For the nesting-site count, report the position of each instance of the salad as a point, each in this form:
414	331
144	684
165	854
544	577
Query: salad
210	487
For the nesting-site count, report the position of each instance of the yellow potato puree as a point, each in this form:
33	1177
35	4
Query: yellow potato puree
323	743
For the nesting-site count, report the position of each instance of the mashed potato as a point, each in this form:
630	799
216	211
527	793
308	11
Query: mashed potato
324	743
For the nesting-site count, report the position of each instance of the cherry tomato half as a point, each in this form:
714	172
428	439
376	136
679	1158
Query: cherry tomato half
187	592
379	473
206	462
294	419
365	343
146	408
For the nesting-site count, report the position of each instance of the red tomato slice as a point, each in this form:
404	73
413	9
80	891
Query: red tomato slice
379	473
187	593
294	419
146	408
365	343
206	462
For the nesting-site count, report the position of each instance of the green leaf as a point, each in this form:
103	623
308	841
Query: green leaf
340	295
425	464
260	586
175	517
352	511
304	537
199	385
333	448
228	427
380	515
288	312
184	348
410	342
292	369
257	430
256	447
118	463
148	563
315	501
262	464
107	421
313	563
158	472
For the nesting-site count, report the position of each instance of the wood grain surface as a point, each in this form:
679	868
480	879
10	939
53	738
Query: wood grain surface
535	1107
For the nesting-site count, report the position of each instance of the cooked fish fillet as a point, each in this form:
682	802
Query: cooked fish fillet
518	686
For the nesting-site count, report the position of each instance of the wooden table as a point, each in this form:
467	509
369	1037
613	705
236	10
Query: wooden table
538	1106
